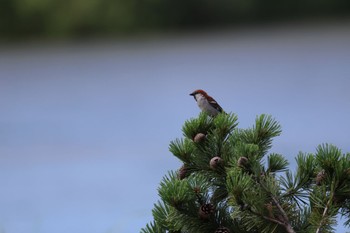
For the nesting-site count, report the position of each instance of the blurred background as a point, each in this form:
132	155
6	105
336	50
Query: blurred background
93	91
23	19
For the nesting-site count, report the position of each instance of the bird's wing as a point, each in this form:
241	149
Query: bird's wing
214	104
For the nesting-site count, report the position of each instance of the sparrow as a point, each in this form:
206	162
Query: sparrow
207	103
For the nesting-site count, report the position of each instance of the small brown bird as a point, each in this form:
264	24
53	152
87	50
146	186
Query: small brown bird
207	103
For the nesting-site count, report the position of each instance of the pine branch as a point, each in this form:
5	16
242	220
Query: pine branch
325	211
266	217
286	223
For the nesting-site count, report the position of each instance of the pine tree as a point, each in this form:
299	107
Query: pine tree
230	183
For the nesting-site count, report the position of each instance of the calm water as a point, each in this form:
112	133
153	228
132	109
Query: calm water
85	127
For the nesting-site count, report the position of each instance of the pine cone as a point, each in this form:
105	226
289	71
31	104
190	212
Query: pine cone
206	210
222	230
183	172
338	200
269	208
199	137
320	177
348	173
215	162
242	162
196	190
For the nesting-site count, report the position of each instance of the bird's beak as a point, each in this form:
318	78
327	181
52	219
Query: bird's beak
192	94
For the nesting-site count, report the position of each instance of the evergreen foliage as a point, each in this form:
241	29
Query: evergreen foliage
230	183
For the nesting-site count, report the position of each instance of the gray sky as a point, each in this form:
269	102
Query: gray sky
85	129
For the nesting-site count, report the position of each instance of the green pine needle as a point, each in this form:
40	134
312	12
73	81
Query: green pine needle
174	192
182	149
276	163
328	156
202	124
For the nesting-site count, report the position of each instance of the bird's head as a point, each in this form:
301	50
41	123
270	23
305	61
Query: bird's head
199	91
